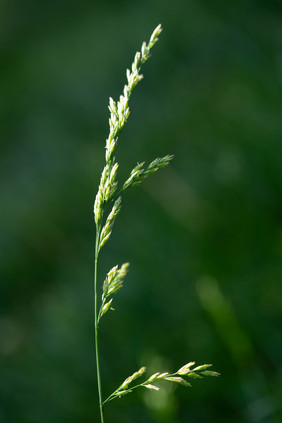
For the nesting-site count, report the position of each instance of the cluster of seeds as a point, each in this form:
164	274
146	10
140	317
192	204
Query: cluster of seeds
118	118
109	193
187	371
112	283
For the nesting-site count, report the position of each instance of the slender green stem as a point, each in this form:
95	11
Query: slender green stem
98	230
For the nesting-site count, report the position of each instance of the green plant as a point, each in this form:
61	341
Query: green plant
109	195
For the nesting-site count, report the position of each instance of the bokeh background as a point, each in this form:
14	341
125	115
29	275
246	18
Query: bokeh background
204	236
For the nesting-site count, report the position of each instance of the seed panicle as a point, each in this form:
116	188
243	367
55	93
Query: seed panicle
119	114
177	377
109	197
112	283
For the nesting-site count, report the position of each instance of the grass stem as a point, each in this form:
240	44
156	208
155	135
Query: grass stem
98	230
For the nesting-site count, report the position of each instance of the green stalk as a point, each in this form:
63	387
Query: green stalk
98	230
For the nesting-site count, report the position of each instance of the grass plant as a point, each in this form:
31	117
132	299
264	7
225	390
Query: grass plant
107	206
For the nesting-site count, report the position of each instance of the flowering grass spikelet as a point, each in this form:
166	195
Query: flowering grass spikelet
107	228
201	368
153	377
178	379
149	386
132	378
185	369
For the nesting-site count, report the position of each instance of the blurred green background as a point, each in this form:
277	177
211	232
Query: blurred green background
204	236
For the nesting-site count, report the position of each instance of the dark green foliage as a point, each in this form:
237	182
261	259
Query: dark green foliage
211	278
